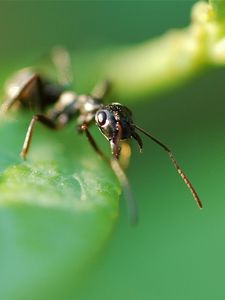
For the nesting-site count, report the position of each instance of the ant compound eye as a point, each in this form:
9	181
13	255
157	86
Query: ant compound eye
101	118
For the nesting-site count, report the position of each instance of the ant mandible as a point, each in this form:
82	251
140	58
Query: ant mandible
30	89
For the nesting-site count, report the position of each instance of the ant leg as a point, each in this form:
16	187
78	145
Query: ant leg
40	118
90	138
131	203
62	62
118	171
34	79
101	90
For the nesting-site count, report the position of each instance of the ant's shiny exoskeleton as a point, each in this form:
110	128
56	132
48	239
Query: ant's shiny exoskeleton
29	89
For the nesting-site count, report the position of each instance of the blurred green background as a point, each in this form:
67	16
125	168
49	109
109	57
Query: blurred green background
176	251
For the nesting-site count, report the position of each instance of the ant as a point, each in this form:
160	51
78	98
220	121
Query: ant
30	89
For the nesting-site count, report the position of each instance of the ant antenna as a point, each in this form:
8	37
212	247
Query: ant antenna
179	170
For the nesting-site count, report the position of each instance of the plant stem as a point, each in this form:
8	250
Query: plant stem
172	58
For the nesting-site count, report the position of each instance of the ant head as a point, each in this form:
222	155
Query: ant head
115	122
110	117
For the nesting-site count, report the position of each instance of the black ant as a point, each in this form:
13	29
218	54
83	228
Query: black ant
114	120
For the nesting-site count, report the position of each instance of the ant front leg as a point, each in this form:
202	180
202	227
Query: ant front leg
114	142
118	171
84	128
36	118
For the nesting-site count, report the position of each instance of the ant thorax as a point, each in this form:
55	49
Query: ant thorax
66	99
88	106
65	109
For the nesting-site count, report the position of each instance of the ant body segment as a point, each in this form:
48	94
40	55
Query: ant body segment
29	89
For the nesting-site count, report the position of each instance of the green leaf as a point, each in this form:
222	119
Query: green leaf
57	210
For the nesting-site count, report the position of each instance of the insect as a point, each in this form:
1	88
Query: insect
58	105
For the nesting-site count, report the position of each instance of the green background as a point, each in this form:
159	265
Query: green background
176	251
